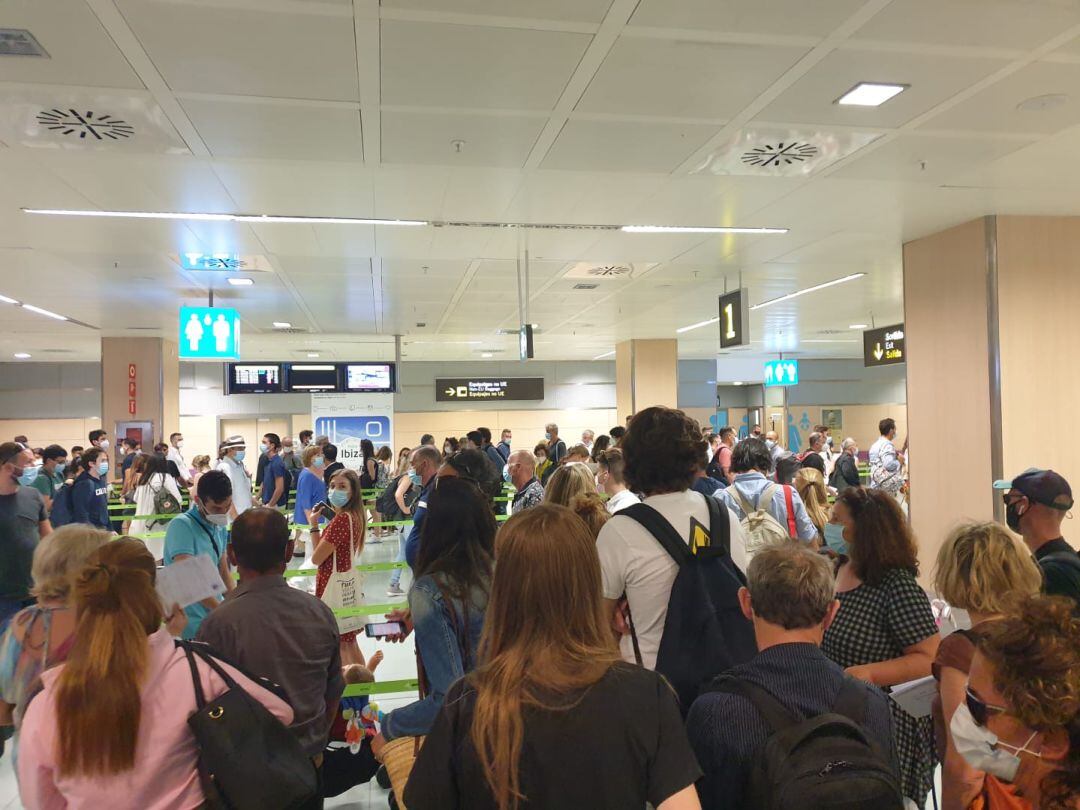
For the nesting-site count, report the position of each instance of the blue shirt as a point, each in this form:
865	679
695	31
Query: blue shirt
310	489
419	511
90	501
275	469
728	734
751	485
192	534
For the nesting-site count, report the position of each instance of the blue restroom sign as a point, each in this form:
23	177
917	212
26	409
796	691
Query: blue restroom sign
209	333
781	372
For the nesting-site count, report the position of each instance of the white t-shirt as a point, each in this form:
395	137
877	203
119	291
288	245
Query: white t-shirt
241	483
621	500
632	562
174	455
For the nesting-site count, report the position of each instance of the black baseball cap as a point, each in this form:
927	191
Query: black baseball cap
1041	486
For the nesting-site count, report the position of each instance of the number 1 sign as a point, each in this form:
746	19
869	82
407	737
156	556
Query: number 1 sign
734	319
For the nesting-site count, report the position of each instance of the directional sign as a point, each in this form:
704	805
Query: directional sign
884	346
487	389
525	338
781	372
734	319
209	333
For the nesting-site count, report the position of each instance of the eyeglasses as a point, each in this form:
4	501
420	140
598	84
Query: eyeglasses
980	709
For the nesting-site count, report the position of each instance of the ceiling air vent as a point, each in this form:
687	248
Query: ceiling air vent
292	330
80	124
56	351
780	154
832	331
19	42
585	286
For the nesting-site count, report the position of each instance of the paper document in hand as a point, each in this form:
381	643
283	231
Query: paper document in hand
916	697
189	581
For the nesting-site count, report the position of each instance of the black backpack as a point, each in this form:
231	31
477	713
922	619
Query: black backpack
705	631
819	762
386	504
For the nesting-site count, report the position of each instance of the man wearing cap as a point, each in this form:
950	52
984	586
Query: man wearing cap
232	464
1036	502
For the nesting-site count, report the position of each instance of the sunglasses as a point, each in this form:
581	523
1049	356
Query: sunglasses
980	709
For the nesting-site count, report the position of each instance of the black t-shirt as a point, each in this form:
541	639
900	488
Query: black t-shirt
623	744
21	514
1060	564
328	473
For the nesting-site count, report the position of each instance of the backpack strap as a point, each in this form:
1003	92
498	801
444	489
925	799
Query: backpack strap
789	501
657	525
719	525
851	702
744	504
772	711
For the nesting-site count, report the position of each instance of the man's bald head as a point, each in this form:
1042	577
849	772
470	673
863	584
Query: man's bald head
525	458
522	467
260	541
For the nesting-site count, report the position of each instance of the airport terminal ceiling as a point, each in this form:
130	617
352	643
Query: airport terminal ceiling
567	112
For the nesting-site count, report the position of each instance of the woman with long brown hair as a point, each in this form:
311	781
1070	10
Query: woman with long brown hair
109	728
552	717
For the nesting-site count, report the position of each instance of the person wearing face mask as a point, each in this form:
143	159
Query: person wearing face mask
503	447
846	470
1019	723
176	456
203	530
543	463
556	447
90	493
425	465
982	569
772	441
234	450
450	446
23	521
1036	503
274	487
99	439
310	490
50	476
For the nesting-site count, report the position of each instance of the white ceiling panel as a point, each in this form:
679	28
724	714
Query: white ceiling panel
926	159
433	65
932	80
788	17
569	10
684	79
987	23
618	146
995	108
80	52
212	49
305	188
273	130
458	140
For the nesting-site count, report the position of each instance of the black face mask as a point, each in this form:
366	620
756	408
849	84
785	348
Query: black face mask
1012	517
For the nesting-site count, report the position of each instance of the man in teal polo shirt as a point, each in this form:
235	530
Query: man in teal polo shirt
201	530
51	476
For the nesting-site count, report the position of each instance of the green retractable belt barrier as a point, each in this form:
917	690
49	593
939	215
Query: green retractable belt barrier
382	688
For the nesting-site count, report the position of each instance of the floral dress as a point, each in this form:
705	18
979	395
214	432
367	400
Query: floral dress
339	532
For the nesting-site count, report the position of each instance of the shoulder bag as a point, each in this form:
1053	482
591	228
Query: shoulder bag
343	589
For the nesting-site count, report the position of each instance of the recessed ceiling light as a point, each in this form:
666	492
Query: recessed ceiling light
605	354
695	229
44	312
815	288
241	282
282	325
22	356
1040	103
857	326
737	383
203	217
871	94
487	355
313	355
697	325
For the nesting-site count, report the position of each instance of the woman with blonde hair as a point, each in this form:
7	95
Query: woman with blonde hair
983	569
40	636
810	484
199	465
110	726
553	717
568	482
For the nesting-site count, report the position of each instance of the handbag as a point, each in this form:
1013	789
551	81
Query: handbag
399	755
343	590
248	759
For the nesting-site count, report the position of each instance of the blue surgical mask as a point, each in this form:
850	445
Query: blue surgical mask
319	461
240	455
547	436
414	476
339	497
29	474
834	538
264	447
506	475
61	467
770	443
103	468
982	749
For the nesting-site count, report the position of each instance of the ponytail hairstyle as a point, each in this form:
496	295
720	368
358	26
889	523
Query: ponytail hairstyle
116	608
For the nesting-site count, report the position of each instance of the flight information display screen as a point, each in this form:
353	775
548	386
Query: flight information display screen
307	377
377	377
253	378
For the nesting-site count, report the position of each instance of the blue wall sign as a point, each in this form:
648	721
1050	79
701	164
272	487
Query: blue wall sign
346	433
209	333
781	372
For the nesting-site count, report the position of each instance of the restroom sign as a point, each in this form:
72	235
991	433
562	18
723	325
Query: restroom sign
209	333
781	372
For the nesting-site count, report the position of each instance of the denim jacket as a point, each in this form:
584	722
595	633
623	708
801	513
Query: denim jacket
440	647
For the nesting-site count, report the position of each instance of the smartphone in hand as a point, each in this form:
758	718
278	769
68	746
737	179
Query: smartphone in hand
383	629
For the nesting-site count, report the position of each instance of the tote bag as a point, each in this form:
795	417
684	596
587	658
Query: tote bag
343	590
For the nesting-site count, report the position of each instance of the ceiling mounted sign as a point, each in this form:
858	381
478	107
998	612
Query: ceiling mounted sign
884	346
735	319
781	372
488	389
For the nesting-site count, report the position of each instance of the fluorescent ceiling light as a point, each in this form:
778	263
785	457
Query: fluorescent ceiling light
797	293
487	355
282	325
241	282
203	217
22	356
870	94
857	326
695	229
7	300
44	312
445	342
605	354
313	355
737	383
697	325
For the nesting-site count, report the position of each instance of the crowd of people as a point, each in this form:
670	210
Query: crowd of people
659	615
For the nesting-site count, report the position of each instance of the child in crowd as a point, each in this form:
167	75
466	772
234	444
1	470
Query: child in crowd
346	766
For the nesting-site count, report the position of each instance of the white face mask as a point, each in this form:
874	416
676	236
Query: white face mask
217	520
976	745
180	445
